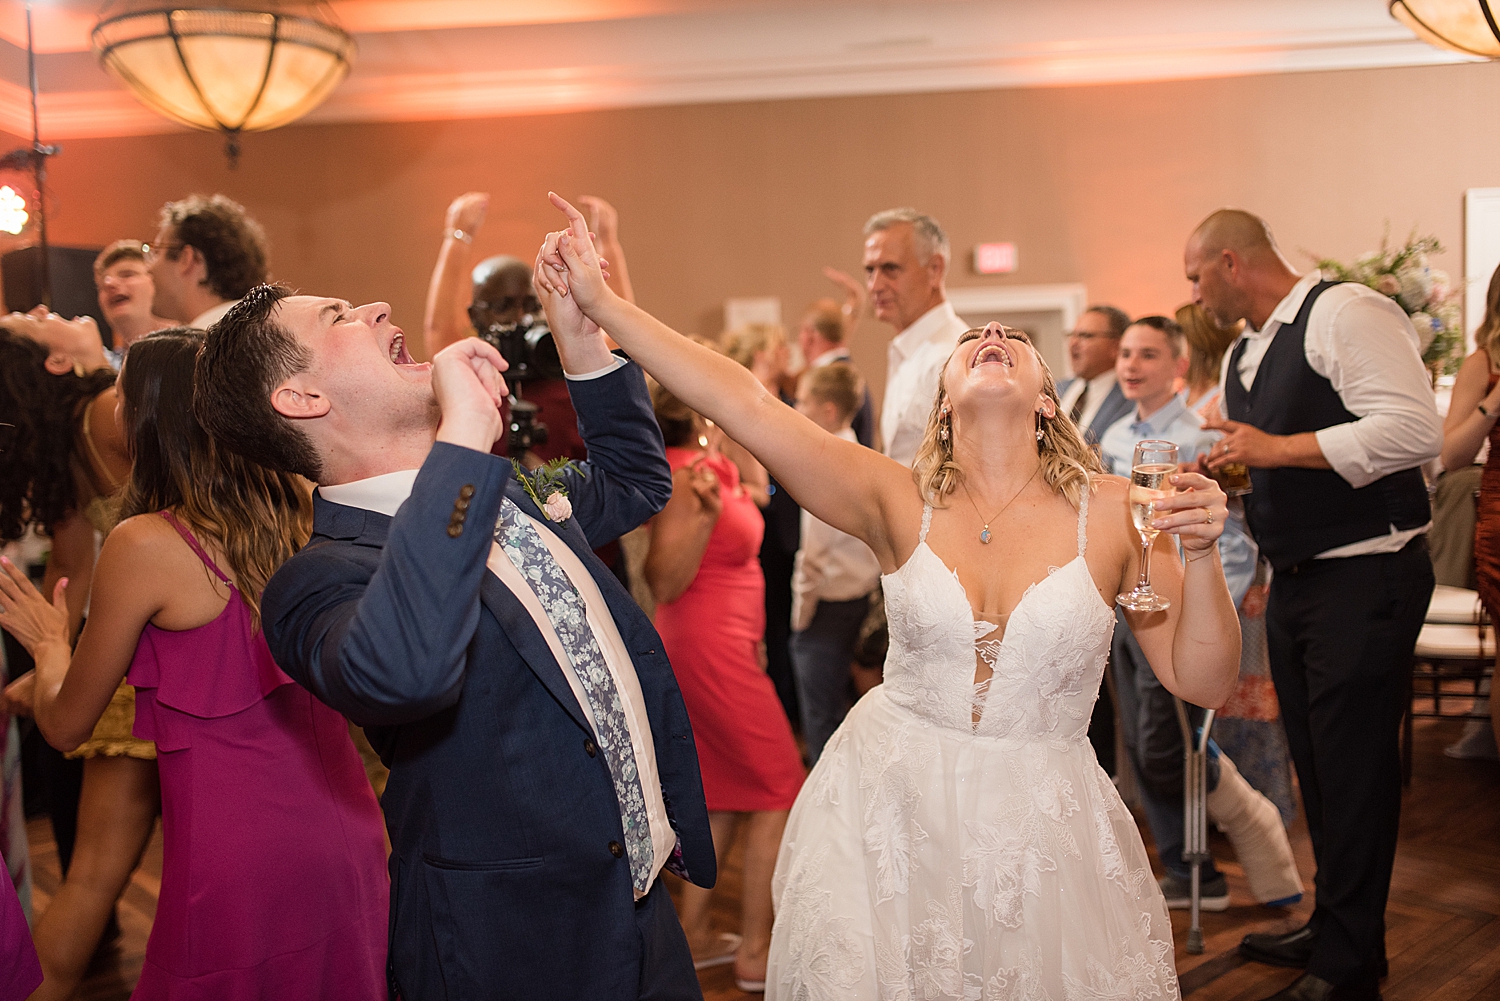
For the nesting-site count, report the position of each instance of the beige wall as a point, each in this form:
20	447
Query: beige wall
1097	185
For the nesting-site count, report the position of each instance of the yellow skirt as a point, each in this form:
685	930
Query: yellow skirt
112	737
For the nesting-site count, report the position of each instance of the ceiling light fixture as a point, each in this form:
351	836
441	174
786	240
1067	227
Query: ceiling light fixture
1467	26
225	66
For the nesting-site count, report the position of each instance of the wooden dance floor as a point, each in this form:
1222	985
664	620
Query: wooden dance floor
1443	920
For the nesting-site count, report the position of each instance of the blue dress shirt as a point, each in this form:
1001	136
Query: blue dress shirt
1174	422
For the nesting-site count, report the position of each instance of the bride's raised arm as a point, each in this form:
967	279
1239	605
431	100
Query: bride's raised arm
846	485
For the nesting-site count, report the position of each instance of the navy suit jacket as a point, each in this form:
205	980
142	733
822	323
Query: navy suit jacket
1112	409
501	814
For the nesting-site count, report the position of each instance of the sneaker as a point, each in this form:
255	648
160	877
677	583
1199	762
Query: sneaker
1213	894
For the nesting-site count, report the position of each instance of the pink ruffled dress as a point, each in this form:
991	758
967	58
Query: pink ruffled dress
274	881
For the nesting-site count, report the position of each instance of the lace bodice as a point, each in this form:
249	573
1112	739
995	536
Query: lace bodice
1047	665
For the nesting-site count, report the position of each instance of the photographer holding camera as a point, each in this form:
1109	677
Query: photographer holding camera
500	306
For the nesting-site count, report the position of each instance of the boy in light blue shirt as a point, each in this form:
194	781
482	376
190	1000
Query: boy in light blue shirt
1153	355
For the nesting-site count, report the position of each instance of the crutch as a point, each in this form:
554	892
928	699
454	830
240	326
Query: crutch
1194	814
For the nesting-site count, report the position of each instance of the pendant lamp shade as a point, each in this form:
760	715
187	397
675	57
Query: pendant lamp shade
1467	26
231	70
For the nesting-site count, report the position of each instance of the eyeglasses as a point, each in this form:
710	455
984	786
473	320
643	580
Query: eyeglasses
151	253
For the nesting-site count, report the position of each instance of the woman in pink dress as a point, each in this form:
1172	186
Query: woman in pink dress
273	881
705	573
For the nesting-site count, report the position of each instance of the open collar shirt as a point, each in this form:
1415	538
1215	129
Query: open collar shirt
1363	343
914	364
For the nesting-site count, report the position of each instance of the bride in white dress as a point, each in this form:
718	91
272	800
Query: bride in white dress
958	839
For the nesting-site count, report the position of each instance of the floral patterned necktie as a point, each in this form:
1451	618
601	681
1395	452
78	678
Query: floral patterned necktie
569	617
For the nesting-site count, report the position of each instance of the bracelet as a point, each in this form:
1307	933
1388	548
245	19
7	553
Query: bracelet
1480	407
460	235
1194	559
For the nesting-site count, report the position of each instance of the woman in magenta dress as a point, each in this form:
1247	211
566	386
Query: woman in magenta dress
705	573
273	864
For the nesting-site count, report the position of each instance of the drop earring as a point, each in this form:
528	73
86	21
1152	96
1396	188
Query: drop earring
1039	434
943	426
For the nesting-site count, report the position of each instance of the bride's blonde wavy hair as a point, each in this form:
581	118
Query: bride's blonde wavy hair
1067	460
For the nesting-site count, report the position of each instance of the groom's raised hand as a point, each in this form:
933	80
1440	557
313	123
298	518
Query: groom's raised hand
468	386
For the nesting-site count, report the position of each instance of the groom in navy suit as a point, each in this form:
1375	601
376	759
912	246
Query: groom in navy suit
543	771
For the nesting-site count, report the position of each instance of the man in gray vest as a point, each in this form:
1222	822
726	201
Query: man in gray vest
1329	405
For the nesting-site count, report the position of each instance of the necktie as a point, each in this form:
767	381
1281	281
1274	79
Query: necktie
569	617
1078	404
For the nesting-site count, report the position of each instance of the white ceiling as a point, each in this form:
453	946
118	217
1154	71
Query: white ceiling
441	59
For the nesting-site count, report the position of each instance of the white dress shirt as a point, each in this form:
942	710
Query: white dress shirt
1099	388
385	494
1363	343
830	565
914	363
212	315
839	353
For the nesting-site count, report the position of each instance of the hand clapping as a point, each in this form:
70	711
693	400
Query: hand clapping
28	616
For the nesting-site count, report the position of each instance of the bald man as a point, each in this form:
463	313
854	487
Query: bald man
1329	405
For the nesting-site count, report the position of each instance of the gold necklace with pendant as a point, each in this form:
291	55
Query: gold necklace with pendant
984	535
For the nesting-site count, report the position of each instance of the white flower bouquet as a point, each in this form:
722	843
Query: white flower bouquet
1425	293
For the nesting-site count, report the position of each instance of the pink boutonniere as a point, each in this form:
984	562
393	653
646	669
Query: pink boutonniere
548	487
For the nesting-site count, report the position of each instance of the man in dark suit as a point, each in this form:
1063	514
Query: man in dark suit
543	771
1092	397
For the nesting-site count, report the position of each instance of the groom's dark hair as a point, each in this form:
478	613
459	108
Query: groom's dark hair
246	355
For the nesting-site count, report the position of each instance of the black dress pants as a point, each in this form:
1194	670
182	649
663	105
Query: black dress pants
1341	634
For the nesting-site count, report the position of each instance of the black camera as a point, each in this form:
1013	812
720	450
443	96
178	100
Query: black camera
526	344
531	354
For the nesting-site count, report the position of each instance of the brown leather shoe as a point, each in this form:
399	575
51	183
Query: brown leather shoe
1310	988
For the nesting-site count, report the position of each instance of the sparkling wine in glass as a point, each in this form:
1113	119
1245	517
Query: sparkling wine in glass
1154	462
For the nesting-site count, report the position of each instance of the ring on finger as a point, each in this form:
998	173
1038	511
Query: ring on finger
1210	520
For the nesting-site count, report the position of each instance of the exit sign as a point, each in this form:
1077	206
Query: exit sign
995	258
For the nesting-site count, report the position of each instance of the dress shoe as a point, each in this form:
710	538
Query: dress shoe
1293	948
1310	988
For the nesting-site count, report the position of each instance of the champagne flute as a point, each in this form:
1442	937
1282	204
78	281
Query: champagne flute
1150	468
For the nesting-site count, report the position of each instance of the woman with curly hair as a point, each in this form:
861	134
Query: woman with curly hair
62	465
273	862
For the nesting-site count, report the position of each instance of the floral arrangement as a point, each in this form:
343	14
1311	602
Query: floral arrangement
548	488
1424	292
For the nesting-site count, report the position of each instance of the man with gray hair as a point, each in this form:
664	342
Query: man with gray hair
906	262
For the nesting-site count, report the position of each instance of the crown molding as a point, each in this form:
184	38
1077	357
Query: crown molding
67	26
852	71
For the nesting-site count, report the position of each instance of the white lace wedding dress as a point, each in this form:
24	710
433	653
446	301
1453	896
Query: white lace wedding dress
929	857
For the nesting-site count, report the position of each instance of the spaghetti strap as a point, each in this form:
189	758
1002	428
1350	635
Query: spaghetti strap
1083	516
188	538
926	523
